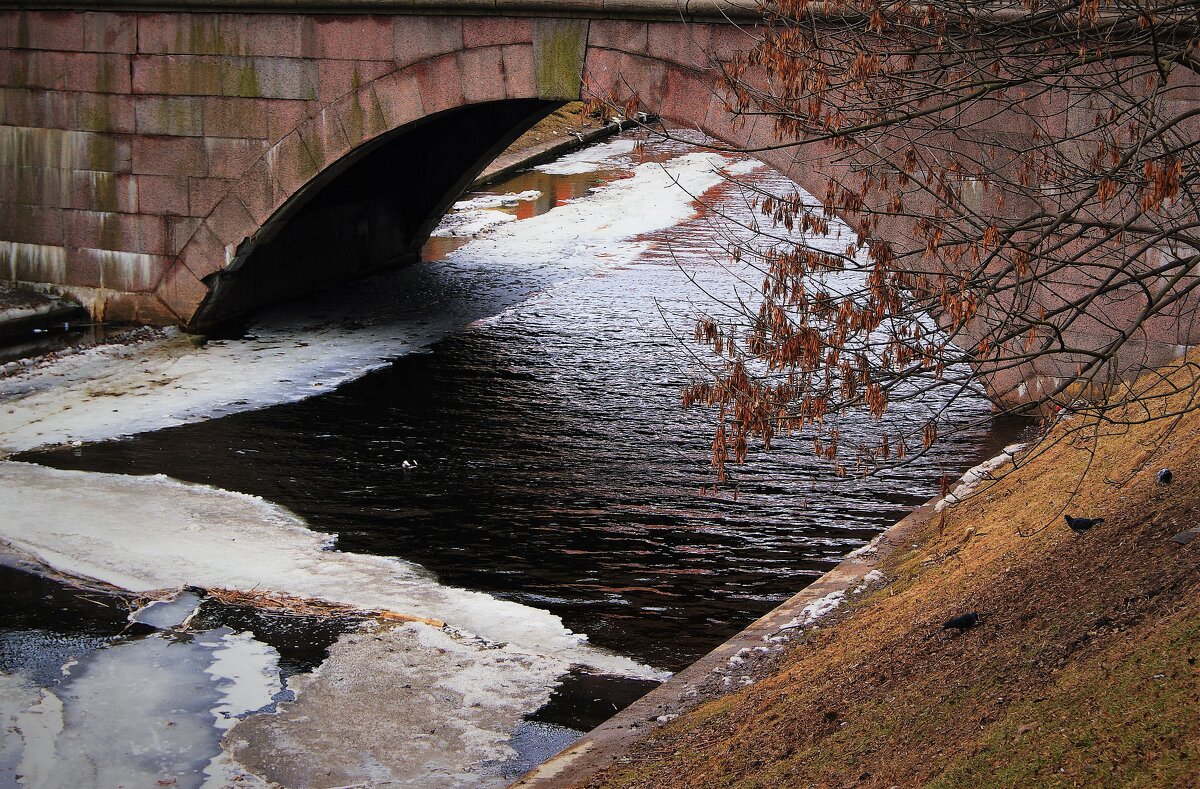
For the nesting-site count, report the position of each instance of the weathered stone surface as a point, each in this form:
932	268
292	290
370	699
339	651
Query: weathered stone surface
278	35
441	83
143	233
351	37
206	75
493	31
559	50
181	292
621	35
170	156
340	77
482	74
162	194
205	193
418	38
231	157
175	115
104	32
204	253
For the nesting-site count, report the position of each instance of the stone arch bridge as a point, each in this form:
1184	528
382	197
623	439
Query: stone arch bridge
168	161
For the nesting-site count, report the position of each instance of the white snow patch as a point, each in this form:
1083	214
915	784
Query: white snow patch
816	609
496	201
590	159
466	224
974	476
151	532
872	577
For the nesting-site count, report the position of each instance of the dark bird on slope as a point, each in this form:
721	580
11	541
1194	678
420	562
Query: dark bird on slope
962	623
1080	525
1164	476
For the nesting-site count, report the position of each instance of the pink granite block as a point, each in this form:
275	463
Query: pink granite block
144	308
687	98
279	35
50	30
205	75
180	230
10	22
483	74
230	221
351	37
39	108
441	83
162	194
105	112
181	292
118	232
97	72
283	116
624	36
291	165
30	224
520	77
480	31
84	268
137	275
421	37
169	156
727	41
204	252
180	116
676	43
104	191
230	157
340	77
103	32
205	193
234	116
601	75
260	193
324	138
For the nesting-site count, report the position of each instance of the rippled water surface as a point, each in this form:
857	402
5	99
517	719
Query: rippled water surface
542	455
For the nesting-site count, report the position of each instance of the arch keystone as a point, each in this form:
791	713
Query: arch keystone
559	48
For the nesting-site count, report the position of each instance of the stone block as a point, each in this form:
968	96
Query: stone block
480	31
176	156
351	37
205	193
34	262
163	194
180	230
127	271
364	115
80	71
181	292
205	75
440	82
34	185
97	190
40	108
10	21
686	45
559	49
284	116
279	35
105	112
230	222
291	165
83	269
181	116
687	98
31	224
145	308
620	35
233	116
341	77
104	32
119	232
482	74
260	193
324	138
230	158
204	253
520	80
418	38
50	30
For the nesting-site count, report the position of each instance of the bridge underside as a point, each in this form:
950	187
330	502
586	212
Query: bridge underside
372	210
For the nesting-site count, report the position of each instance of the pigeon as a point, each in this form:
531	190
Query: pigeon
1080	525
962	622
1164	476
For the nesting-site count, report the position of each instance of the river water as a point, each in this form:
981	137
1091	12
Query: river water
502	418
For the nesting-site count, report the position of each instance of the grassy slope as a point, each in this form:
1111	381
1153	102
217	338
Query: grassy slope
1083	672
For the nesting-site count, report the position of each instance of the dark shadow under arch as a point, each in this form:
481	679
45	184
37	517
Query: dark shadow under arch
371	210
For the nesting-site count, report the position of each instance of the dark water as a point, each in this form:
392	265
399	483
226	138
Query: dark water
554	466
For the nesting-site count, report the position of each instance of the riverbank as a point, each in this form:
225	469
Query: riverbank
1082	669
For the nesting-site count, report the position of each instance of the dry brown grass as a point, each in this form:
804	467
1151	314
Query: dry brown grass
1082	672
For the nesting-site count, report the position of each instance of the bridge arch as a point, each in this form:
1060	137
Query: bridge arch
456	110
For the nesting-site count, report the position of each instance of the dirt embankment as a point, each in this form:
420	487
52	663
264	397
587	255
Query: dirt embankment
1082	671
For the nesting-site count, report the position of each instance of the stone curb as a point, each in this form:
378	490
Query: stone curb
505	166
605	745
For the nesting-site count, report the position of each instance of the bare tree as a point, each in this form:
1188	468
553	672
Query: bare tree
1020	179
